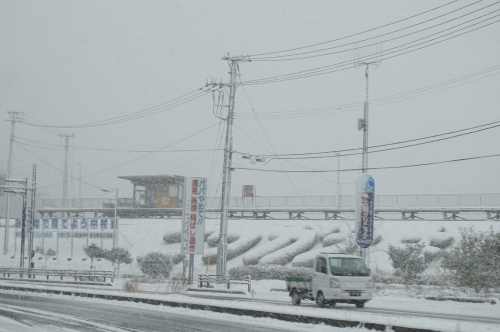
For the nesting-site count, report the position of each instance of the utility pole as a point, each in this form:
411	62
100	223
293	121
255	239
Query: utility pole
23	223
32	218
228	156
115	230
13	118
338	180
363	123
65	174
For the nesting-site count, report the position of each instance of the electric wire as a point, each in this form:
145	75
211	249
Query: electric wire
372	168
375	102
385	55
186	98
356	34
283	57
493	124
394	148
137	158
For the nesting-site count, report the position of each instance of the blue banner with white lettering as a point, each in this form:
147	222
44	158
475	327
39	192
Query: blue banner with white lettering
364	210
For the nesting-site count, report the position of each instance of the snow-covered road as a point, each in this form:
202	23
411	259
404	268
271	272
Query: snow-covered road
21	312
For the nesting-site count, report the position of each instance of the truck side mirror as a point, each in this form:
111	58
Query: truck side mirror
323	269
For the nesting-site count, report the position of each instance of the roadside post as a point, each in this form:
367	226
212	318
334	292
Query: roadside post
193	220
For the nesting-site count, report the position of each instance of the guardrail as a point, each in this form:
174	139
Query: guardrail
82	275
206	281
345	201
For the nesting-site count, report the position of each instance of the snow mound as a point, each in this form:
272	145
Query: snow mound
255	255
213	239
175	236
285	255
333	239
236	248
411	239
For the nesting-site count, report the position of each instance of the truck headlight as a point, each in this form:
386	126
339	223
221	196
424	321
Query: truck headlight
334	283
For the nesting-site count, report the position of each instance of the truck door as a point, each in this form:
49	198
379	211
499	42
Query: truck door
321	279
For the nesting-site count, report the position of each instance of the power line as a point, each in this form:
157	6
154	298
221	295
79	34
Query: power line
284	57
493	124
344	65
105	149
186	98
375	101
370	168
395	148
356	34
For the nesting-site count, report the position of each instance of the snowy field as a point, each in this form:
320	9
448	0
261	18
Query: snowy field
143	236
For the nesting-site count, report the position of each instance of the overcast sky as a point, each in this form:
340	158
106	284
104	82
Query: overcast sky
76	62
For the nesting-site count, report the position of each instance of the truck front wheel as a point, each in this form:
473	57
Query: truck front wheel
320	299
295	298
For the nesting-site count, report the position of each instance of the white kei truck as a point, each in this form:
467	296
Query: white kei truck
337	278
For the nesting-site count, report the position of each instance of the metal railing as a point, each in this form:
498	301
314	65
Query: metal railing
345	201
82	275
208	280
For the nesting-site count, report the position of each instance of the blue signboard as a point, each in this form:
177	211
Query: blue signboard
364	210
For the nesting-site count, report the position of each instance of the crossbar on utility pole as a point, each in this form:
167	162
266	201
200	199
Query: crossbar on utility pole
228	155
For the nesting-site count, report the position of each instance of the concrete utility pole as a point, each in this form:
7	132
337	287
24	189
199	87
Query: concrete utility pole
32	218
363	123
228	156
65	174
13	118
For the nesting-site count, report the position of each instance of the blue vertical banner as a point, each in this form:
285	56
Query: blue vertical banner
364	210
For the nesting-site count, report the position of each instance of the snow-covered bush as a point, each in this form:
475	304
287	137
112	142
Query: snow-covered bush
253	257
474	261
431	253
174	255
411	239
440	240
285	255
333	239
236	248
156	265
407	262
267	272
172	236
213	239
441	229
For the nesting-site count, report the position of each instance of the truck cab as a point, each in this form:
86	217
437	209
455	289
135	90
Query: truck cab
341	278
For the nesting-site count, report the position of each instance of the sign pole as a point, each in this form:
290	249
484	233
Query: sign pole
364	212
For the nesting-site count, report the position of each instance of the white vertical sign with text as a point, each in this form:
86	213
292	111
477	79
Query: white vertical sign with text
193	216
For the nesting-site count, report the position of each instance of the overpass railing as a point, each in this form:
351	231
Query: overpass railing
344	201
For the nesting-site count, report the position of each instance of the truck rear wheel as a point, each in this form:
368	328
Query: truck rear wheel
295	298
320	299
360	304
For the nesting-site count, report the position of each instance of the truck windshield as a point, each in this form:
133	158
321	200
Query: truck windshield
348	267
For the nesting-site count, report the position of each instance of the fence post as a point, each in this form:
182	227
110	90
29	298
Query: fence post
249	283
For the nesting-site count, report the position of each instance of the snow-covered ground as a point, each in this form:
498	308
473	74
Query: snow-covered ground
146	235
141	236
